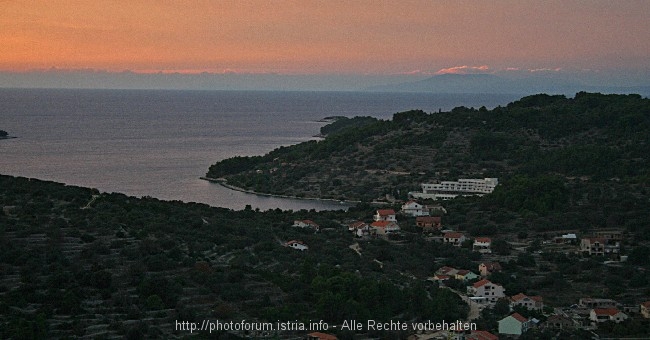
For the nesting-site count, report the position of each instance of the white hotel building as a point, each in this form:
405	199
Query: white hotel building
463	187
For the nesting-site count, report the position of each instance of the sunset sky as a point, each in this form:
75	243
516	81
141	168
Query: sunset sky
327	37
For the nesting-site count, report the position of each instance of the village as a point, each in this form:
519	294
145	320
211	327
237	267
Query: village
526	311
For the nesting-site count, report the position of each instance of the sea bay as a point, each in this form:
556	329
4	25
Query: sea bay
158	143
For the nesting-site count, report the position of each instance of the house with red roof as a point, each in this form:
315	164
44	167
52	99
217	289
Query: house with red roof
385	215
295	244
429	222
385	227
446	270
645	309
528	302
360	229
320	336
600	246
514	324
481	335
598	315
305	224
487	291
465	275
453	238
482	245
487	268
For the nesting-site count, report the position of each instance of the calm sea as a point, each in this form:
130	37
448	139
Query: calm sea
158	143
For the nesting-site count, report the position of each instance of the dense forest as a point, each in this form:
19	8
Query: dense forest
76	262
592	136
3	134
560	161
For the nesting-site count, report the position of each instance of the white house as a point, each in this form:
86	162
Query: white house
607	314
453	238
482	245
449	189
514	324
306	224
359	228
413	208
385	227
385	215
490	292
528	302
298	245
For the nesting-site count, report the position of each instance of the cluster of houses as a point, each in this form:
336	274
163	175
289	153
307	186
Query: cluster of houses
587	314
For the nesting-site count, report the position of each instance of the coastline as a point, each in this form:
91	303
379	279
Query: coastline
223	182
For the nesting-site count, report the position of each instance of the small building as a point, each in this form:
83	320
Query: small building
592	303
487	268
491	292
644	308
360	229
446	270
385	215
295	244
465	275
306	224
429	222
481	335
566	239
559	322
385	227
598	315
616	234
413	208
514	324
528	302
454	238
320	336
600	246
482	245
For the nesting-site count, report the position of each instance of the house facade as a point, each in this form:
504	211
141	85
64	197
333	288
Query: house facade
465	275
429	222
482	245
454	238
413	208
360	229
600	246
528	302
488	291
297	245
487	268
559	322
644	308
305	224
598	315
385	227
385	215
451	189
514	324
320	336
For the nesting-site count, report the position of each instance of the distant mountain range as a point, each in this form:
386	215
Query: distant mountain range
489	83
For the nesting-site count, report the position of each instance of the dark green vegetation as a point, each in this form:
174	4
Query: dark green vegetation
3	134
592	136
561	162
74	262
